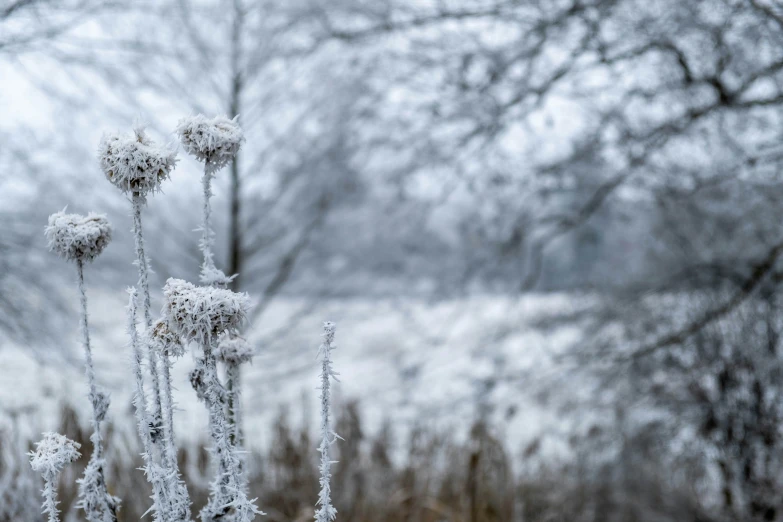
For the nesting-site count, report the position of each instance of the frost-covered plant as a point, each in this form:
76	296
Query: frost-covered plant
51	455
214	142
137	166
82	238
78	238
233	351
165	507
326	511
168	344
134	163
202	314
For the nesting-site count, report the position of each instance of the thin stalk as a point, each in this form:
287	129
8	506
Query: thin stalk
207	236
89	369
175	493
233	406
50	498
326	512
227	491
143	419
95	498
143	264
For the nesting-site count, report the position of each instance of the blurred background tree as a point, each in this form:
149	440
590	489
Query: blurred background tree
623	153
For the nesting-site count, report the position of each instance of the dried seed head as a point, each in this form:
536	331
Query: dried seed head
78	238
165	341
234	349
214	141
134	163
202	313
52	453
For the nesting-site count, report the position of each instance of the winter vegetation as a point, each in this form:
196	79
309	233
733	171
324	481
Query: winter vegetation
208	317
51	455
78	238
326	511
549	232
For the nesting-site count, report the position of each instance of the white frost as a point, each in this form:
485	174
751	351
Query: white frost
234	349
51	455
78	238
134	163
165	341
214	141
326	511
201	313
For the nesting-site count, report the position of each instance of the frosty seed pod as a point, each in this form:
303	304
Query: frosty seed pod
52	453
78	238
134	163
165	341
200	313
213	141
234	349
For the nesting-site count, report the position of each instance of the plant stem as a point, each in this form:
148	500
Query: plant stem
89	369
326	512
94	495
50	498
143	419
207	236
228	489
141	260
233	407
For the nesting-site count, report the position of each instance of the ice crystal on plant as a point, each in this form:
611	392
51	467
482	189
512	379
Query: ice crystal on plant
233	349
326	511
134	163
214	141
212	276
94	499
201	313
52	453
78	238
165	341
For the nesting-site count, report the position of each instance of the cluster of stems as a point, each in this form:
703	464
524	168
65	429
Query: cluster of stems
228	491
158	416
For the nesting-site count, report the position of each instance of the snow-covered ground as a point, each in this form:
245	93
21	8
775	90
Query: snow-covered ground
405	360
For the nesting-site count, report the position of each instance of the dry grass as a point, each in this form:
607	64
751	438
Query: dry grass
428	477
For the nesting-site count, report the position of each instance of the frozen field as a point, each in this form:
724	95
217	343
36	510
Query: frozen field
406	361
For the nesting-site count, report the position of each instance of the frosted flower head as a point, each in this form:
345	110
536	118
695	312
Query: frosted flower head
200	313
134	163
214	141
52	453
234	349
165	341
78	238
